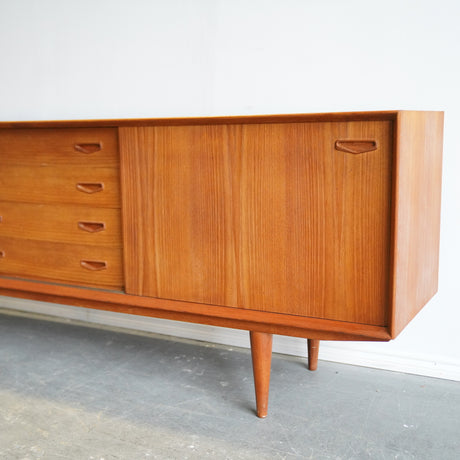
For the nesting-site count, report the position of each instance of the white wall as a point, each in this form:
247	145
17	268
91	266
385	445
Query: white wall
151	58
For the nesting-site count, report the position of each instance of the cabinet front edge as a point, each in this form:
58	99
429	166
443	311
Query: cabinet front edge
233	119
236	318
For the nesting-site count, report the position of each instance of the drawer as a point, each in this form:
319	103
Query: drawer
60	184
58	262
65	224
87	146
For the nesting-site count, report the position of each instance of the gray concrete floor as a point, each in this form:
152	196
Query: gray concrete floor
74	392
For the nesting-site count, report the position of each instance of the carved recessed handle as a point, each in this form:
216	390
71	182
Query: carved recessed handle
91	147
91	227
94	265
2	254
90	187
351	146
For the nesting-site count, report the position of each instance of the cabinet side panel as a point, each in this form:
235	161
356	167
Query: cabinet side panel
417	213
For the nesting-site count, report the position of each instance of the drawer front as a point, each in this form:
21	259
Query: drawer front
60	185
97	147
70	264
65	224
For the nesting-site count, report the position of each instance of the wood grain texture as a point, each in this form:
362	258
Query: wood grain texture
268	217
261	352
417	214
60	262
226	154
252	320
194	121
55	147
59	223
316	221
178	234
313	352
58	184
323	226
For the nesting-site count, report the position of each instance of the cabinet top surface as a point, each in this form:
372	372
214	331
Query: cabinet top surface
283	118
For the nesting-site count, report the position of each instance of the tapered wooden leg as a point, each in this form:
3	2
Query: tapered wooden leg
313	349
261	350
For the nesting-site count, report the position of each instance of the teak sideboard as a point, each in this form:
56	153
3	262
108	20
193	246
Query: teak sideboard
322	226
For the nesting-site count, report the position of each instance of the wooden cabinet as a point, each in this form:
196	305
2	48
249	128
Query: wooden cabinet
323	226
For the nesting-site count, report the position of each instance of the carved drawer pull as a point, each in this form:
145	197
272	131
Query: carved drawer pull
355	146
2	254
91	227
93	265
90	187
88	148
